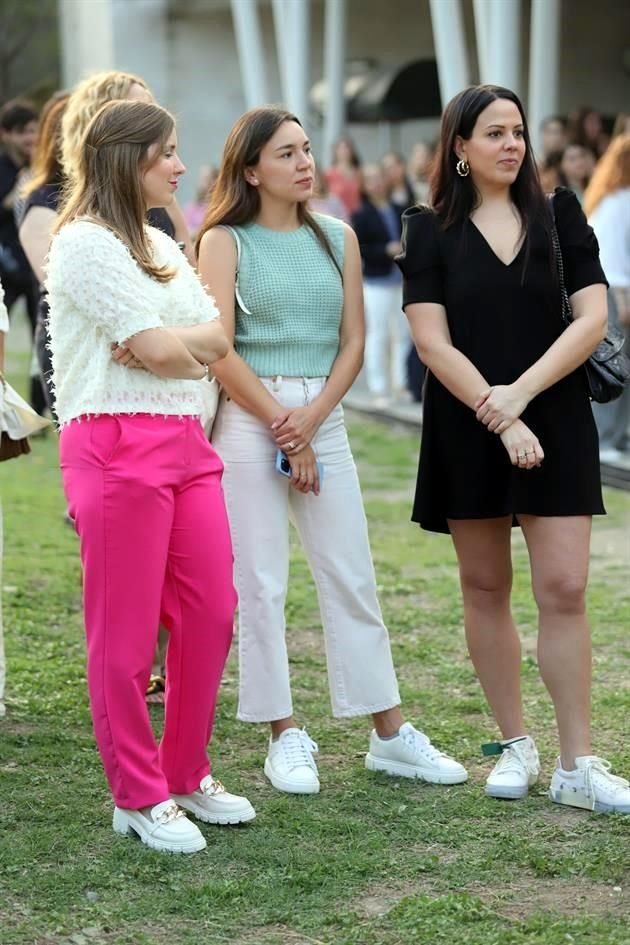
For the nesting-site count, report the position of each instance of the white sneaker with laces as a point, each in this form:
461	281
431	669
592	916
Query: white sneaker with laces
591	786
411	755
516	770
214	805
165	827
290	765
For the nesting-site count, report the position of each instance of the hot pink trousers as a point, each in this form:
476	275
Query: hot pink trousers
145	494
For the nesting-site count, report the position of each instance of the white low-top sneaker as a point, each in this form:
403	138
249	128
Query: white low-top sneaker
165	827
516	770
290	765
214	805
591	786
411	755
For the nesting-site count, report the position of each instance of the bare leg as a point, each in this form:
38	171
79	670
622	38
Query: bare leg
485	570
278	726
559	557
388	722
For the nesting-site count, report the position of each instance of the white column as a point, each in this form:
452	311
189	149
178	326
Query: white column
87	38
298	54
450	47
280	23
544	64
505	43
335	25
482	35
251	57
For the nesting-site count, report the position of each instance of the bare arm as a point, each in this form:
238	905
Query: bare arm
181	232
35	236
431	336
499	406
164	354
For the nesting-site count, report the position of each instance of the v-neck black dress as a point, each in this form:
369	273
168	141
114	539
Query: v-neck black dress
503	318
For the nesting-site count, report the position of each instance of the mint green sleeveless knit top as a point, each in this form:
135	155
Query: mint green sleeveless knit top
294	297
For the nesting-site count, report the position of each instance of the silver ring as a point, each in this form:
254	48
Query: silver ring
291	445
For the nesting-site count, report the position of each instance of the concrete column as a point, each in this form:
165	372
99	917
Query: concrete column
87	38
482	35
450	47
251	56
505	43
544	64
280	23
335	25
298	53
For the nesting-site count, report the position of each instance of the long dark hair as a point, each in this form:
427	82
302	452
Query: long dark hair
454	197
234	200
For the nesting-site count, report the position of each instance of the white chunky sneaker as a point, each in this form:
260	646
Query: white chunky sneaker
214	805
516	770
290	765
411	755
591	786
165	828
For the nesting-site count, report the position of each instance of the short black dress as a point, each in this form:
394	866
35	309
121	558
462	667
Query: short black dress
503	318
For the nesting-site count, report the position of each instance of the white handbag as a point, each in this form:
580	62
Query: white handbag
18	421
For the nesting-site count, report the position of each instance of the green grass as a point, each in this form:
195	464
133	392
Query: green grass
369	861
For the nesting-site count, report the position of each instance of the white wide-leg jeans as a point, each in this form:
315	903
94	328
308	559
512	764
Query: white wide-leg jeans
333	531
387	340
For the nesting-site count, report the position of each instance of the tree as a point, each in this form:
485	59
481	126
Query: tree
29	48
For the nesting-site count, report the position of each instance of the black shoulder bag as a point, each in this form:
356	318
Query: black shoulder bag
607	371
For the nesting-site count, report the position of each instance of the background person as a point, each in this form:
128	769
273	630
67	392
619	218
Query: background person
41	197
607	204
343	175
142	482
298	331
4	327
377	225
18	135
508	434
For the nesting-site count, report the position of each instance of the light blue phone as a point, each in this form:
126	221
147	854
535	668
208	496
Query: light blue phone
284	466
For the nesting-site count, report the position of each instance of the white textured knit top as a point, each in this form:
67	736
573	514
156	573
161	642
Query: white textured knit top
98	295
4	316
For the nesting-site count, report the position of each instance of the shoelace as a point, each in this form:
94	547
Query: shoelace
511	760
211	786
419	742
298	749
601	766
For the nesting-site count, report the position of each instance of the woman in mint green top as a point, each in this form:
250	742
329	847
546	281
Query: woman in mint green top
289	288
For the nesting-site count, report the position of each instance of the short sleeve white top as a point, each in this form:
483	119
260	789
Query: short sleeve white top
99	295
611	222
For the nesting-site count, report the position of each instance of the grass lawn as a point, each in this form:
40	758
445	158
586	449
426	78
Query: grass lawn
369	861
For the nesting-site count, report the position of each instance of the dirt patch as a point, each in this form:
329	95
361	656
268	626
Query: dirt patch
563	897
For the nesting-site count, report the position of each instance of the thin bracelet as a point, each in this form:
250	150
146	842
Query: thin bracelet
206	372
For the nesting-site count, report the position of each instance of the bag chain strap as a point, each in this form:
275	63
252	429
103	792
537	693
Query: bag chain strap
567	312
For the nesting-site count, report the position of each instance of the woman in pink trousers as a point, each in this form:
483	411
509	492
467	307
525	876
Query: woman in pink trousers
132	335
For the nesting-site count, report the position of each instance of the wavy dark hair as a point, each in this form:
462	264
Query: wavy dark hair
454	197
234	201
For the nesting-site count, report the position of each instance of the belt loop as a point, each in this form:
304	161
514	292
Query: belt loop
306	391
277	382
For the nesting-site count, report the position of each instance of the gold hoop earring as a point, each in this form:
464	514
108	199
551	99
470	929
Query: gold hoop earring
463	168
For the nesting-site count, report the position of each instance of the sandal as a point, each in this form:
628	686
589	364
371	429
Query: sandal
155	694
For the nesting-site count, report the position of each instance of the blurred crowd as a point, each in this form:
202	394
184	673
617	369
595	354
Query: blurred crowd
585	152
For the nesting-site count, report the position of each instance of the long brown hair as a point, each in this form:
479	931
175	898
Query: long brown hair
113	155
234	201
611	173
47	158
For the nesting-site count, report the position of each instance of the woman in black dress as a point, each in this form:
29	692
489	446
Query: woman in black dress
508	435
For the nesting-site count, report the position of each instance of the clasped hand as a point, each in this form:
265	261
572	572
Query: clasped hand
294	429
498	407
